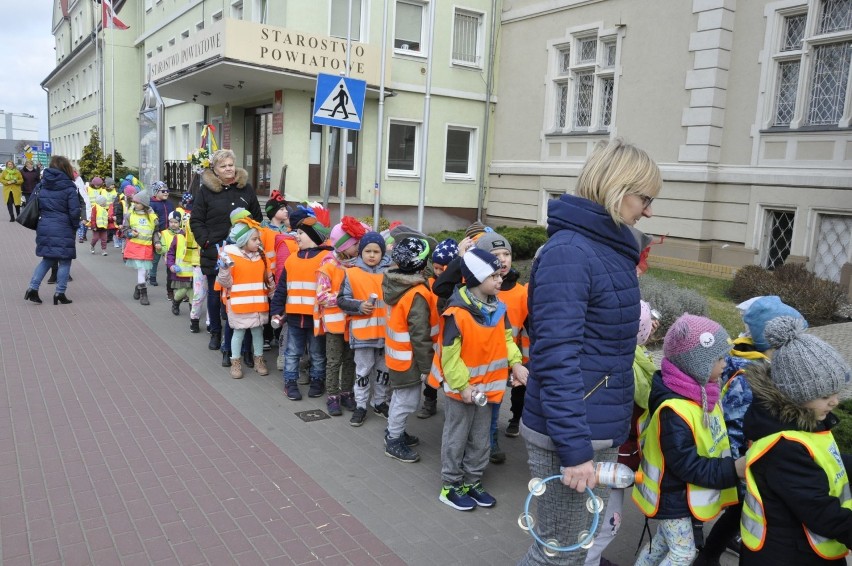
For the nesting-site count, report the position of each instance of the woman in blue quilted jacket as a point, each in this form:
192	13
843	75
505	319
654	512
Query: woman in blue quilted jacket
59	217
584	316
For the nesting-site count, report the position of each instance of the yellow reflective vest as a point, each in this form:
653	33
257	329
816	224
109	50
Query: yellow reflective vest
182	255
710	441
823	449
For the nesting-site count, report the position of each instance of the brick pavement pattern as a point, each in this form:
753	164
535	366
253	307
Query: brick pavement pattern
112	451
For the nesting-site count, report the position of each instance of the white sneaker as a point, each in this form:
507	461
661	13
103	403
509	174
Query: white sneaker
104	253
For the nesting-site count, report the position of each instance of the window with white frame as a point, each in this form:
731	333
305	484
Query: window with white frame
467	38
583	71
338	16
460	153
812	54
260	11
237	10
216	16
410	24
403	150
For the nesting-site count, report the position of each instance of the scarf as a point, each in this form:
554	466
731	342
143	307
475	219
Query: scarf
687	387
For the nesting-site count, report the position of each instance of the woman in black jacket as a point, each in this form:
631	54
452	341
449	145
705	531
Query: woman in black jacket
223	188
59	216
31	175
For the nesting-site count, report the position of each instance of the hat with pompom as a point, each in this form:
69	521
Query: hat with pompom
445	252
176	216
804	367
128	190
186	199
694	344
239	213
97	182
314	229
410	255
240	234
347	233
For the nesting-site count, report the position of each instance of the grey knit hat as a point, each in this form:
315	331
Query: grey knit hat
804	367
694	344
491	241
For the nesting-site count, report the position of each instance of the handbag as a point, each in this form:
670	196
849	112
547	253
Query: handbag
29	215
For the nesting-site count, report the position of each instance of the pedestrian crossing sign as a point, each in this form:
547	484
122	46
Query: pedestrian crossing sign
339	101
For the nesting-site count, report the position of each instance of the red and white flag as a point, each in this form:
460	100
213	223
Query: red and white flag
110	19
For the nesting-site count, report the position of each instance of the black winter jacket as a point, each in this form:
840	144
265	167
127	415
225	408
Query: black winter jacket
793	487
210	220
683	464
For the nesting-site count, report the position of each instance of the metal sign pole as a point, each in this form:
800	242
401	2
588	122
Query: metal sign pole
342	170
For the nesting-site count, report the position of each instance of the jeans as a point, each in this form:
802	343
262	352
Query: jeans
214	304
44	266
296	340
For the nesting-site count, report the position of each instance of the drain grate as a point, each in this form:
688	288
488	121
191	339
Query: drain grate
311	416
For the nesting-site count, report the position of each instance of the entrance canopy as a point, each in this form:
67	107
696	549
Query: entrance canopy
239	59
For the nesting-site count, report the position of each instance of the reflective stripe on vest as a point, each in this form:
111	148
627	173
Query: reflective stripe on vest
331	318
517	310
362	284
823	449
144	225
710	442
101	219
302	283
267	240
398	350
484	353
247	293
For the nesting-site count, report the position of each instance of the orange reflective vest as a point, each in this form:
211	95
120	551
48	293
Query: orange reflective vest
517	311
326	318
483	351
267	240
302	283
248	293
399	354
367	326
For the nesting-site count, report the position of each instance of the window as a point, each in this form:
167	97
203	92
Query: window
216	16
467	49
199	26
833	246
185	146
237	10
260	11
459	156
184	34
172	42
339	14
584	83
777	238
812	68
403	153
409	27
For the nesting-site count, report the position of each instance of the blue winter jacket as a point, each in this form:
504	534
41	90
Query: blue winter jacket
59	216
583	319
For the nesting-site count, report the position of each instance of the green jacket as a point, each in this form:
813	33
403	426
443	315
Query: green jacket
394	286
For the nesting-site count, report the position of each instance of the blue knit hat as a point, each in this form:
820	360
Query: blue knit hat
445	252
763	310
372	238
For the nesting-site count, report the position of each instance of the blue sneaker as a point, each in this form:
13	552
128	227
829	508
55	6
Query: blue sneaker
456	497
476	492
291	388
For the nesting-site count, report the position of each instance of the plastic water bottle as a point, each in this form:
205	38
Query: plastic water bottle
479	398
613	474
275	321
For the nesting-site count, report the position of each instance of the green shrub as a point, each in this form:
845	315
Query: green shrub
817	299
384	223
843	430
525	241
671	300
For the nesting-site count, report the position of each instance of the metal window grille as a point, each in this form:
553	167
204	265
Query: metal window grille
835	15
828	85
785	98
466	37
778	238
561	105
609	55
588	50
607	89
834	246
583	98
794	32
564	61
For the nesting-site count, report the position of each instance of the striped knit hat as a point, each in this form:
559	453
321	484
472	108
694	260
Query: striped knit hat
477	266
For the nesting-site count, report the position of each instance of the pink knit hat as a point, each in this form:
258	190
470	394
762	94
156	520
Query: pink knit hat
694	344
347	233
645	323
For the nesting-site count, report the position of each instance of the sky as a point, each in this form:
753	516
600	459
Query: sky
28	57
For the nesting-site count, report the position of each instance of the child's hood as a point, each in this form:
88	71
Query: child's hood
395	285
381	267
779	412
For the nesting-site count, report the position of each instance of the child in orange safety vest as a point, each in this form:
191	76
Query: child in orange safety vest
476	349
331	321
247	284
361	298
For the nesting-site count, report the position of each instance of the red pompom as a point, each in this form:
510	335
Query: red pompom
394	224
275	195
353	227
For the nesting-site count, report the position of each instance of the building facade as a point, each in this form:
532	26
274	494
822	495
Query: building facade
249	68
745	106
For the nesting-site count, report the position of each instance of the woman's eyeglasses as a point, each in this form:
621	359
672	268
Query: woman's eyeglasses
646	201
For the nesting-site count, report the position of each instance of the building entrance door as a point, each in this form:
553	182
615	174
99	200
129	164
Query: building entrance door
318	155
258	125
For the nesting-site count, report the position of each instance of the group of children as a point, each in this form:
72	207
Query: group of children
741	426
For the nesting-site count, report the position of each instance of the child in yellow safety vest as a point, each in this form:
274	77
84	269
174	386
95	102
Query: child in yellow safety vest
797	508
361	298
100	219
143	238
476	349
331	321
179	260
686	468
247	285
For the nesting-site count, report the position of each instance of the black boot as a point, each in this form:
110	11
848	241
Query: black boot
215	341
137	292
52	279
175	307
61	298
193	326
226	359
32	295
248	359
143	296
